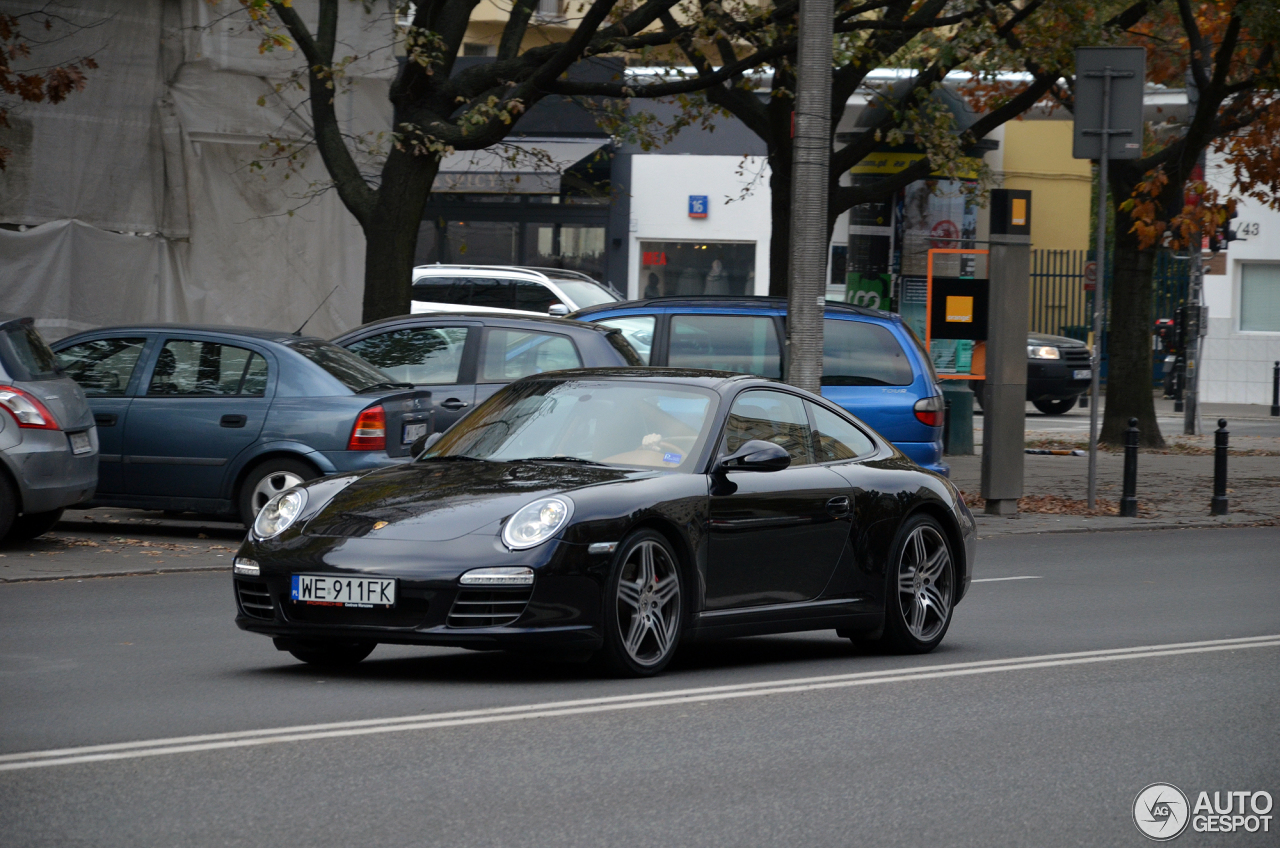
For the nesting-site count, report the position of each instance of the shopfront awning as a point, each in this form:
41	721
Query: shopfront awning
527	166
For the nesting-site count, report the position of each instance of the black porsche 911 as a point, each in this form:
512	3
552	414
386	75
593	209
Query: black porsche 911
615	513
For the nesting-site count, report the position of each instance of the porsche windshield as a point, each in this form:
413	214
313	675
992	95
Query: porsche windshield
632	424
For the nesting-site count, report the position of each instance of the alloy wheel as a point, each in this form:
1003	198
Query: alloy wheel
271	485
925	583
648	603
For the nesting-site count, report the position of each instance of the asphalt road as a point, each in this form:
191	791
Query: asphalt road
995	739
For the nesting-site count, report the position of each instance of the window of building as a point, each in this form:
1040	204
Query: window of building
1260	298
692	268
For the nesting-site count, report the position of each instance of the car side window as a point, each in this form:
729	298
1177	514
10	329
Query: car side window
836	439
489	292
102	367
454	290
637	330
772	417
511	354
534	296
747	344
860	353
207	369
418	355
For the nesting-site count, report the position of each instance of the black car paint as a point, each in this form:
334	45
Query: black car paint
445	516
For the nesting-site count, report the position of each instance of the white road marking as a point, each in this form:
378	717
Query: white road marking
364	727
998	579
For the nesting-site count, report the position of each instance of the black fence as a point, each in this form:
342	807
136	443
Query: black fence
1061	306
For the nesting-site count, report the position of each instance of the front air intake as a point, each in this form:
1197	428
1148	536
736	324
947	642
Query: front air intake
488	607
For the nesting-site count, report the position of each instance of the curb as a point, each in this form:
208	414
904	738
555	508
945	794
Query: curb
1205	525
96	576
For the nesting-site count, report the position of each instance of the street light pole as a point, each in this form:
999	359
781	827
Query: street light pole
811	157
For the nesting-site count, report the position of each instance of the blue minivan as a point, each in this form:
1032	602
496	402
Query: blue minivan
873	364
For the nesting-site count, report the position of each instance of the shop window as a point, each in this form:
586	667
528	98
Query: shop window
1260	298
683	268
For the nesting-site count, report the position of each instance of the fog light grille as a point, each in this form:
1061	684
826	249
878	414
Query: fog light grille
488	607
255	600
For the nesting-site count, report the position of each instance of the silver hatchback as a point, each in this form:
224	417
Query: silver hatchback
48	442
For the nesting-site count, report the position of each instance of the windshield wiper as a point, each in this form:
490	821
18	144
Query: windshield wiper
379	386
557	458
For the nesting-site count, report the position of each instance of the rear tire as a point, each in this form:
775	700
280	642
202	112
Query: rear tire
1054	407
920	593
270	478
33	524
8	507
332	653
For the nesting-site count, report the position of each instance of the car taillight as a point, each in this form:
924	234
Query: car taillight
929	411
27	410
370	432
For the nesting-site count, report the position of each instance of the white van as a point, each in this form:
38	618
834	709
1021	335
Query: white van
505	288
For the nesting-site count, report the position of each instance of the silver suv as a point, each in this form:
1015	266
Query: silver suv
505	288
48	442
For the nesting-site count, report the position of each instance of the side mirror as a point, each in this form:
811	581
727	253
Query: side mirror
756	455
558	310
421	443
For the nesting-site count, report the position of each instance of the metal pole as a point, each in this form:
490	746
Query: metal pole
810	235
1099	289
1275	390
1129	497
1191	406
1218	506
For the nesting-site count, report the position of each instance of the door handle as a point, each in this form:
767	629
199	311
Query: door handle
233	420
104	419
838	506
453	404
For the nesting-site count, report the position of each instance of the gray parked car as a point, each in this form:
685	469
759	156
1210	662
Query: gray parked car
48	444
221	419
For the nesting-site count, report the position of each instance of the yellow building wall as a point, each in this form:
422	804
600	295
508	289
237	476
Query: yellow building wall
1037	156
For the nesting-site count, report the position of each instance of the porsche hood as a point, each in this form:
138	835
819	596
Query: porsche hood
441	500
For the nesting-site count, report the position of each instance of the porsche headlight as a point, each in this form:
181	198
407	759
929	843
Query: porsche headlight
1043	352
537	522
280	512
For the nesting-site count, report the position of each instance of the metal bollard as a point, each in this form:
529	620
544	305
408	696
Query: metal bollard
1275	390
1218	506
1129	499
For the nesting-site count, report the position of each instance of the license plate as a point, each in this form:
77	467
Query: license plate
80	443
364	592
1085	374
413	432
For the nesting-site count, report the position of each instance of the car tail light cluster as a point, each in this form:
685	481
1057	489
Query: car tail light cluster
29	412
929	411
370	431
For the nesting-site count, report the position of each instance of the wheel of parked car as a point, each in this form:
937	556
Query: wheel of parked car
1054	407
922	587
8	507
333	653
33	524
644	606
269	479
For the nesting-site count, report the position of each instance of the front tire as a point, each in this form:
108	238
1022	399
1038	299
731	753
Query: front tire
922	587
1054	407
644	607
265	481
33	524
332	653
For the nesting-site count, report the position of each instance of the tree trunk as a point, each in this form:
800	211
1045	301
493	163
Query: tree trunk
1129	392
391	233
780	225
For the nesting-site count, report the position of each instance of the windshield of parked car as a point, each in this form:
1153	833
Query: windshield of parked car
645	424
350	370
23	346
585	294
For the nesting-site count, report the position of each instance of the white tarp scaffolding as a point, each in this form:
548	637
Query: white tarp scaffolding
138	199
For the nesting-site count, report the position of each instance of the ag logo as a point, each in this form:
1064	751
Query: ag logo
1160	811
